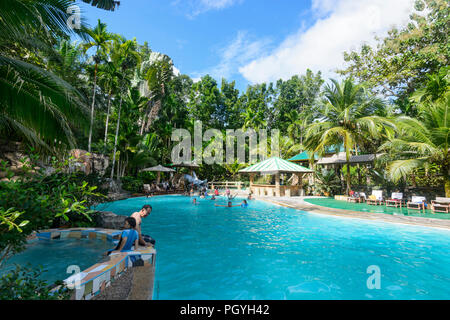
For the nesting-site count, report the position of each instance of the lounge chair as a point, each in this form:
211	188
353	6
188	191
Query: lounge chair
396	200
440	205
417	203
356	197
376	198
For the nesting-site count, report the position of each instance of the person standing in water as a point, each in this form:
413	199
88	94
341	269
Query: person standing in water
144	213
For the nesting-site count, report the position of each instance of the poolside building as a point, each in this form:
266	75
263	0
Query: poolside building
276	166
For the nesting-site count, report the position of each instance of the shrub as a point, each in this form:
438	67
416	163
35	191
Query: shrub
24	283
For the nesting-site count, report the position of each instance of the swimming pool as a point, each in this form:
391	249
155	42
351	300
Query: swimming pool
55	256
271	252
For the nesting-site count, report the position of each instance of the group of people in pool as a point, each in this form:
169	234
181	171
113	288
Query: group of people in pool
227	194
131	235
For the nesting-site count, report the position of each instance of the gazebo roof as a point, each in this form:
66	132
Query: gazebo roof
304	156
275	165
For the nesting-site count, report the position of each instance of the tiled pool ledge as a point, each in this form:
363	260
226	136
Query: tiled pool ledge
94	280
300	204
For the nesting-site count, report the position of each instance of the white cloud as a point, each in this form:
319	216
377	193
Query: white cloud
240	51
341	25
196	7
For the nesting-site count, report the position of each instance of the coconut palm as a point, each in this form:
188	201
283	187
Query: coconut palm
100	39
349	114
422	141
35	103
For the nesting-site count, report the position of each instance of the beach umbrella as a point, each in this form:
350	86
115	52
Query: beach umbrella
158	169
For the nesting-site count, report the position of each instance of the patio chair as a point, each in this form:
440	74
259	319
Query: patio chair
417	203
376	198
396	200
440	205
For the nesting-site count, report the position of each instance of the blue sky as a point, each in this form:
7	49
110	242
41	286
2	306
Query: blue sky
253	41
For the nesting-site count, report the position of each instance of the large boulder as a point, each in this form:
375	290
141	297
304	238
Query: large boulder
109	220
89	162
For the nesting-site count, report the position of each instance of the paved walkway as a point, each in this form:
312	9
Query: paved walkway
299	204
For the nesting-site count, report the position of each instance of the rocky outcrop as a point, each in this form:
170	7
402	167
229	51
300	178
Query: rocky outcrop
108	220
89	162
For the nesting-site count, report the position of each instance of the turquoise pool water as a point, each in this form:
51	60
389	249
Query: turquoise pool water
338	204
56	255
270	252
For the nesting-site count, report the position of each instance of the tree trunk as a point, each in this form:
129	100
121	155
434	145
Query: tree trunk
115	141
92	108
107	117
348	176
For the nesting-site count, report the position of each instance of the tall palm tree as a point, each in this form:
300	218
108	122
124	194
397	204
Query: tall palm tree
159	71
100	39
35	103
109	76
125	57
348	115
422	141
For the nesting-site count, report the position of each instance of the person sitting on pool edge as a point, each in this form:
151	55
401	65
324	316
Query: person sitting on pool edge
128	239
144	240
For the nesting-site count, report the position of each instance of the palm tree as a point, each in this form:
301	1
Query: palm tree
35	103
104	4
109	76
100	39
349	113
158	72
125	57
422	141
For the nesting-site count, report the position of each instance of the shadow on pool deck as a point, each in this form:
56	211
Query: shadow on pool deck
299	203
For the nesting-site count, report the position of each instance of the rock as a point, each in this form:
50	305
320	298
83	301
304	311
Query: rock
89	162
109	220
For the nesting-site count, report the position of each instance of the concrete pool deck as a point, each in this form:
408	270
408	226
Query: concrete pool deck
299	203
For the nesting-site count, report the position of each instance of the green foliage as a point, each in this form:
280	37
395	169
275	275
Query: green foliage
37	201
132	184
24	283
401	62
327	182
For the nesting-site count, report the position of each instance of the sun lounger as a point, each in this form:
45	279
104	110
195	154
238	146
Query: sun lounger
376	198
440	205
357	197
395	201
416	203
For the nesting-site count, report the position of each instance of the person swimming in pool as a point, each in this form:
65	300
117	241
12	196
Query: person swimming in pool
229	205
128	239
244	204
194	201
213	197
